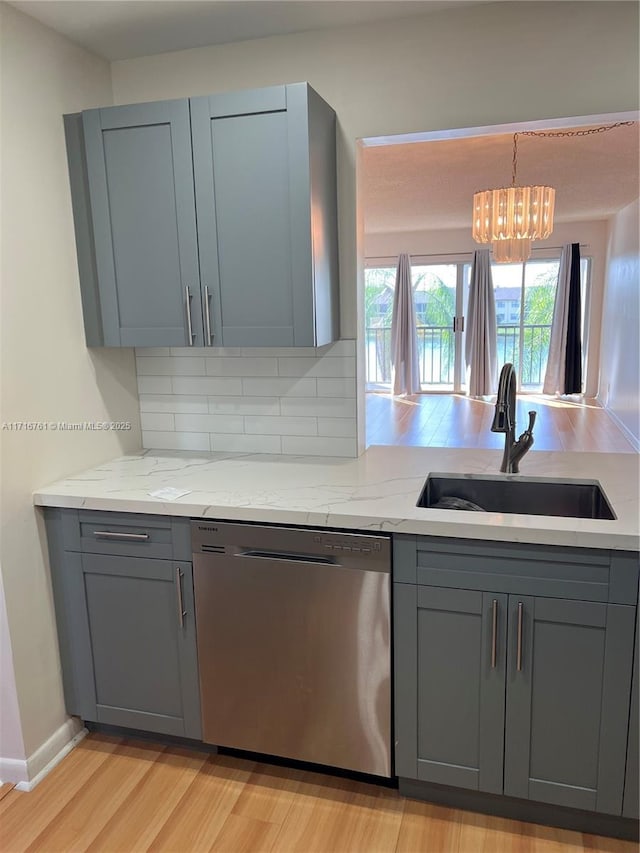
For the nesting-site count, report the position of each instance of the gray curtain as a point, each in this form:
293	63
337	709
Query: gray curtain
405	376
554	376
481	343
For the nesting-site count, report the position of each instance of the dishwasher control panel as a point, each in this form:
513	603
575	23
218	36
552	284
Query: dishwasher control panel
349	550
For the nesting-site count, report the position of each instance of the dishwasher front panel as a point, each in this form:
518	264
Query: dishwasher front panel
294	650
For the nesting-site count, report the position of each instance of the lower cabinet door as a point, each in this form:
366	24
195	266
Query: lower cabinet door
450	680
568	690
141	633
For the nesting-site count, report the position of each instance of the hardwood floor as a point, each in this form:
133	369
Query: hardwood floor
111	794
453	420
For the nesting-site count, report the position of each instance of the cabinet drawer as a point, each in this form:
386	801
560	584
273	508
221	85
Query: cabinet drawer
125	534
586	574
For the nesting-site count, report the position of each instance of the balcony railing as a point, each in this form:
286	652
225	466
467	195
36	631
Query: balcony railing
436	353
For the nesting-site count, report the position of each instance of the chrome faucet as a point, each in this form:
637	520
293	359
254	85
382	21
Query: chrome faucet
504	421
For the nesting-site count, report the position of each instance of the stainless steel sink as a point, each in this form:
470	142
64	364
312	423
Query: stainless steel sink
524	495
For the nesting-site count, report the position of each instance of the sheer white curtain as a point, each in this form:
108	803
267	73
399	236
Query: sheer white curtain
565	328
405	377
481	344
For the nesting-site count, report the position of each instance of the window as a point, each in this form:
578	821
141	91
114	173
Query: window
524	296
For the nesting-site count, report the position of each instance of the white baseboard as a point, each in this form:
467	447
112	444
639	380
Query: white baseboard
26	774
631	438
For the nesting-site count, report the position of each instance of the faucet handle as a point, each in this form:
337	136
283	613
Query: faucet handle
532	420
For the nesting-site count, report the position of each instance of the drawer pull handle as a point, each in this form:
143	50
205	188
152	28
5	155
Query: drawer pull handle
494	633
181	611
519	649
128	537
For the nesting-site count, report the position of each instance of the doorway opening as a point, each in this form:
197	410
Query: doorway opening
415	196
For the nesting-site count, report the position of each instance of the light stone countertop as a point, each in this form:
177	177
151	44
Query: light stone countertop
378	491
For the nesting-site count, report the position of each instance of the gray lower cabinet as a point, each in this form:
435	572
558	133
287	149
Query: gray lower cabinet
568	690
450	675
257	265
126	622
505	692
631	804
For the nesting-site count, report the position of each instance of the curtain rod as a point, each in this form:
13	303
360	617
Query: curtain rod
458	254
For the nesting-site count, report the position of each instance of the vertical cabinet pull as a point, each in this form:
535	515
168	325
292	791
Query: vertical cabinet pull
207	316
181	611
519	648
187	296
494	633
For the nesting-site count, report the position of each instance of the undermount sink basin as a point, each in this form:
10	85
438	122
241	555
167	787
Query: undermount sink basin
526	496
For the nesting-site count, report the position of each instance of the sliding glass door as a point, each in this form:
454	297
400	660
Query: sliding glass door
524	296
439	295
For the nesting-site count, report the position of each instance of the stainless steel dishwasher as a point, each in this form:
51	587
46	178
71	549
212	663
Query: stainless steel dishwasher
294	642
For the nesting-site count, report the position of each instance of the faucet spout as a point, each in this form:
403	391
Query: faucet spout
504	421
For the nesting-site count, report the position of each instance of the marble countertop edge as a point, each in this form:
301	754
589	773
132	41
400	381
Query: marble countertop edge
376	492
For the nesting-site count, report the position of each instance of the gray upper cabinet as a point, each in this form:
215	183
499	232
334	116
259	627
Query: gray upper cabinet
256	170
140	204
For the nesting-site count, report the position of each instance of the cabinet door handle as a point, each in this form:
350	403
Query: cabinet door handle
519	649
207	316
187	295
181	611
109	534
494	633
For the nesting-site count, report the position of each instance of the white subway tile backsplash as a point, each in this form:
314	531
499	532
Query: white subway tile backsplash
157	421
244	405
176	440
180	404
206	385
281	426
338	407
209	423
247	443
154	384
294	400
242	366
328	366
318	446
280	387
170	366
341	427
336	387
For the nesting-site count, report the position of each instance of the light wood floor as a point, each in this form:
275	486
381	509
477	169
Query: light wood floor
111	794
453	420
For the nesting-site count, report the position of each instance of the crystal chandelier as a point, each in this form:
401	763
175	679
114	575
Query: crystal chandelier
511	217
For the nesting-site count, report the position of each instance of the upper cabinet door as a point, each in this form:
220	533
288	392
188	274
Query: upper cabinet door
139	172
252	153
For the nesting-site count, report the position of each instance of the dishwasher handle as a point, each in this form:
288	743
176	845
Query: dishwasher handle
278	556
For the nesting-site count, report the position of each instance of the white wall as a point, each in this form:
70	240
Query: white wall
619	388
11	742
593	235
47	372
463	67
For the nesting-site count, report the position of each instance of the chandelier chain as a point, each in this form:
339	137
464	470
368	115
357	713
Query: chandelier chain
584	132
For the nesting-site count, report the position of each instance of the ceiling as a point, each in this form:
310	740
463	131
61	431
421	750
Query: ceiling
425	186
123	29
